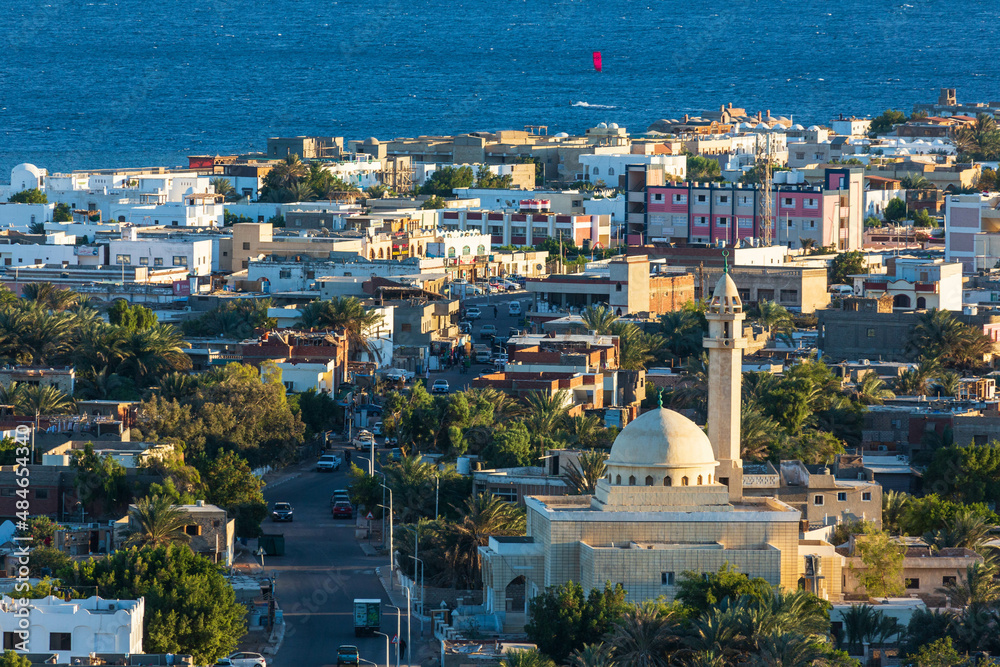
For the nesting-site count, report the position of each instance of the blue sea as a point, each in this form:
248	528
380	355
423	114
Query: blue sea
144	82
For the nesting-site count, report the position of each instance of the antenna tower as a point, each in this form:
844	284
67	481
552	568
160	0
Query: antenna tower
764	162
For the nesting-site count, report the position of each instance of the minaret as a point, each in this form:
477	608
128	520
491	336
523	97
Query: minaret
725	343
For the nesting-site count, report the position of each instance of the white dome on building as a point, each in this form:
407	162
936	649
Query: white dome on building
662	438
602	126
814	128
762	126
797	128
613	126
26	176
561	135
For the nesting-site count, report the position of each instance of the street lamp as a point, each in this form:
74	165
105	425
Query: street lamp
391	568
422	569
260	552
386	646
398	613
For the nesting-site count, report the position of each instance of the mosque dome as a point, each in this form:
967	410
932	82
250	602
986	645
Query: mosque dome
662	438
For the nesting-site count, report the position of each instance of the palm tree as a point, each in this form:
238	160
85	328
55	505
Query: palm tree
530	658
36	400
346	313
157	521
101	385
49	296
583	475
176	386
872	390
643	636
981	139
948	383
546	411
940	336
288	173
683	333
483	516
592	655
965	529
225	188
582	430
757	432
789	649
976	586
599	319
148	354
915	182
300	192
637	347
46	335
775	318
894	504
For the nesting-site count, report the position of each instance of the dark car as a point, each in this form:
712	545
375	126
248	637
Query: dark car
282	512
342	510
348	655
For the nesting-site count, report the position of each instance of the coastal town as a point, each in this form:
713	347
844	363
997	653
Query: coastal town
717	391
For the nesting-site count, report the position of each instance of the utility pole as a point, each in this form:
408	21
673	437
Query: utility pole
764	165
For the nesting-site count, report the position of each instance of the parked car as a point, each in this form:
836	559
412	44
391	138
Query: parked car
340	496
377	429
343	510
465	327
488	331
473	313
396	454
282	512
348	655
440	387
245	659
398	375
328	463
363	440
510	285
514	308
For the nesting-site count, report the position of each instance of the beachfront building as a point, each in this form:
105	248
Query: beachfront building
972	231
530	226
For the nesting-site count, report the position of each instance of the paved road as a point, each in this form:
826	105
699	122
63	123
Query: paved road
319	576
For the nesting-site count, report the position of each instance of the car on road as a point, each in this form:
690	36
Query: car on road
514	308
473	313
343	510
282	512
363	440
396	454
488	331
465	327
377	429
440	387
399	375
328	463
247	659
348	655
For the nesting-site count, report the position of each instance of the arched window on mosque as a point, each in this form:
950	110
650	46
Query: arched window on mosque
649	480
699	480
631	480
618	480
684	481
667	481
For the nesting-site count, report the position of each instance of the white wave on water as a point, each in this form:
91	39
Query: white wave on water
585	105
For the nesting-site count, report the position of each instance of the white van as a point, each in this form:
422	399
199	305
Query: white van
841	290
514	308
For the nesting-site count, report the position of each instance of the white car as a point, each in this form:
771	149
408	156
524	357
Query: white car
473	313
440	387
328	463
398	375
246	659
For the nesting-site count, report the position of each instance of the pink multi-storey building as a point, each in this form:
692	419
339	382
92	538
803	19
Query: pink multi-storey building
830	214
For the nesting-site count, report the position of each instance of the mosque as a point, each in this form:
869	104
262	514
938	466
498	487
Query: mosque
672	502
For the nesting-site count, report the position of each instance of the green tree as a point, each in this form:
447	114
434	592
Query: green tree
938	653
131	318
934	512
642	637
981	140
940	337
703	169
702	591
872	222
233	487
32	196
224	187
446	179
562	619
884	123
882	560
584	474
158	523
872	390
921	218
895	210
12	659
527	658
62	213
47	561
599	319
349	314
487	179
190	607
433	203
99	481
845	264
510	446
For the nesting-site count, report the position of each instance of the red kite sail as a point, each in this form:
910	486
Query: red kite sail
597	60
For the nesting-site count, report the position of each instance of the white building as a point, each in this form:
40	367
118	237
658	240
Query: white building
460	244
299	376
132	249
851	127
20	217
529	228
906	146
611	167
100	192
915	284
193	211
77	628
877	200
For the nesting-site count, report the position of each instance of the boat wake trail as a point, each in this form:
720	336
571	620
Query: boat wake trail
585	105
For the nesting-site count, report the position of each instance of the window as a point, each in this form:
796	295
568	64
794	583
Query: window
657	197
246	245
812	203
192	529
42	494
746	223
6	493
9	641
680	199
699	480
667	481
684	481
667	578
912	584
866	496
723	221
597	172
649	480
817	500
406	327
60	641
945	581
745	200
789	295
871	333
144	261
701	220
618	480
611	171
510	495
723	199
787	201
631	480
123	259
284	273
701	198
180	260
841	497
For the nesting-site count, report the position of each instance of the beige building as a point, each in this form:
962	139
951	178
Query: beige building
210	531
253	239
672	502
